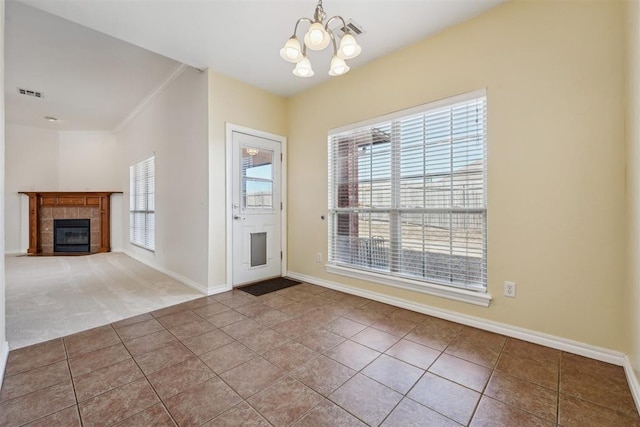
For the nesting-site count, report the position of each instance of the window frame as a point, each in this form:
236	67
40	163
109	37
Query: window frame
472	294
146	168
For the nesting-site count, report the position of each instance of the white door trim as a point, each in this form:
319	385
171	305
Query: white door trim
230	128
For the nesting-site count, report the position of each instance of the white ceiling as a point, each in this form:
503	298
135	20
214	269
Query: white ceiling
90	81
239	38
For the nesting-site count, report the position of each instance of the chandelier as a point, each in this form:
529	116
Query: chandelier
318	37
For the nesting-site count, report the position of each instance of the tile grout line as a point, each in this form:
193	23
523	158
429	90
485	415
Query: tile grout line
66	360
323	327
558	387
403	395
201	361
215	373
484	389
134	361
297	339
245	400
258	353
121	385
427	371
148	381
73	384
523	380
475	407
590	402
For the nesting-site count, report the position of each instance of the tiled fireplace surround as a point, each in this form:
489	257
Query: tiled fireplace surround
49	213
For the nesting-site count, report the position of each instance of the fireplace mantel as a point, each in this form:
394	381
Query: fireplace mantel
95	201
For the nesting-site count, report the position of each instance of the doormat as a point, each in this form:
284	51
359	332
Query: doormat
269	285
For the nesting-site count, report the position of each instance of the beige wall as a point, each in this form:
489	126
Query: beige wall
632	15
555	158
89	161
44	160
174	128
31	165
231	101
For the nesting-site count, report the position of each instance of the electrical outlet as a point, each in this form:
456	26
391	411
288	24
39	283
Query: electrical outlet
319	257
510	289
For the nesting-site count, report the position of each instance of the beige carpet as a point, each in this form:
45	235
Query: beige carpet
53	296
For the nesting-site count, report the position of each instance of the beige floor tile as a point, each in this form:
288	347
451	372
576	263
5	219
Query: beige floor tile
367	399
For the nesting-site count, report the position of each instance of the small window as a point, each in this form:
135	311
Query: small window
257	178
142	204
407	194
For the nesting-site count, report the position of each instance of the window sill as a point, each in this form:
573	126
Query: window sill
462	295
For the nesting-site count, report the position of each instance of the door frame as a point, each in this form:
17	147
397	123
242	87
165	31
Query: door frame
230	128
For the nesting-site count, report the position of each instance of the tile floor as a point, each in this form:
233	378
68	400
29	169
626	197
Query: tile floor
305	356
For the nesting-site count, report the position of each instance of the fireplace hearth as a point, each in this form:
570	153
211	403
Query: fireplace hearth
71	235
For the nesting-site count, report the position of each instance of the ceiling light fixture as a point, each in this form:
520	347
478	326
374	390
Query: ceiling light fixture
318	37
50	119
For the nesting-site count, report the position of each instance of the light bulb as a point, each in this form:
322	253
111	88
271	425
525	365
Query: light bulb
349	48
317	37
338	66
291	52
303	68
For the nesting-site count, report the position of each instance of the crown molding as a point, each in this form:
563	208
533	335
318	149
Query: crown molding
151	96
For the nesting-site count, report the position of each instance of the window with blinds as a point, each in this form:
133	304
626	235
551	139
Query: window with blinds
407	194
142	204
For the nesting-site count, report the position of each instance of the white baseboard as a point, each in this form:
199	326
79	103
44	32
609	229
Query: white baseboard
219	289
632	379
4	357
559	343
179	277
15	253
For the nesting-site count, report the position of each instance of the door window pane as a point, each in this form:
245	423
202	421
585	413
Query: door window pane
257	178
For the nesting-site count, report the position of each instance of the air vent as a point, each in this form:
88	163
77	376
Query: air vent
352	26
28	92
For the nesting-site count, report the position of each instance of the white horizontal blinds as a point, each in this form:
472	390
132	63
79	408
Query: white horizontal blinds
142	203
408	195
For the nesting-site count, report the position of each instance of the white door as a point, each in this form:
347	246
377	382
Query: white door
256	173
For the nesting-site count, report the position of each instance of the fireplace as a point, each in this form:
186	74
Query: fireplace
45	207
71	235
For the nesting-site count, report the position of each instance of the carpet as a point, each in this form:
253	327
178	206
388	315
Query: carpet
53	296
269	285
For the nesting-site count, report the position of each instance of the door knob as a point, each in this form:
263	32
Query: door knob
236	217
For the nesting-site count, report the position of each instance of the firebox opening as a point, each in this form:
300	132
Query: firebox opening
71	235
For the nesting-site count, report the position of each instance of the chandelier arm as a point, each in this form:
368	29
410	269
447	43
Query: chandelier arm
316	39
333	40
295	29
344	24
